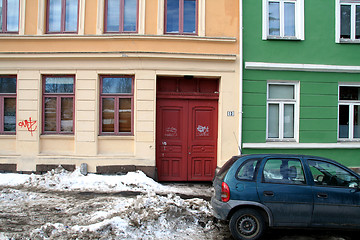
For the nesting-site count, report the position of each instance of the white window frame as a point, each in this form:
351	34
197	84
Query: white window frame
101	19
299	20
201	18
353	4
41	29
351	104
281	103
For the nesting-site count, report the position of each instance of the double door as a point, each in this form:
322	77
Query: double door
186	139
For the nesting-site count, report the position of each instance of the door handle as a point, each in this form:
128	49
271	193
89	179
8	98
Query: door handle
322	195
268	193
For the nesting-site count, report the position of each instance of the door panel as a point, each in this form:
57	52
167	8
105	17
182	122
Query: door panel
186	139
171	140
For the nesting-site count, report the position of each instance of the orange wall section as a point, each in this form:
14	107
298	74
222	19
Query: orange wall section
90	17
31	17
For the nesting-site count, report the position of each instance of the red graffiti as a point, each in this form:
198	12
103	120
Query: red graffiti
29	124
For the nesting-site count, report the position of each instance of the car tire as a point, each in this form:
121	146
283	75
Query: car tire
247	224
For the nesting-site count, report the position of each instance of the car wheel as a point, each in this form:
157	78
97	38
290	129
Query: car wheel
247	224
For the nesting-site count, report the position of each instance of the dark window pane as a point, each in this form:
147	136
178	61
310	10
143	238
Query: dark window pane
343	121
172	16
50	115
12	12
345	31
130	15
274	18
349	93
124	115
59	85
1	16
357	121
357	34
117	85
54	17
189	16
113	16
67	114
7	85
9	114
71	15
108	115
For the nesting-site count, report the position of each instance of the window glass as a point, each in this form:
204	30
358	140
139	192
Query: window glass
71	15
288	171
273	121
124	115
189	16
54	16
1	16
67	114
343	121
59	85
327	174
172	16
288	120
357	121
281	91
357	33
113	15
108	114
247	170
50	114
345	21
12	13
117	85
274	18
7	84
9	114
289	19
130	15
349	93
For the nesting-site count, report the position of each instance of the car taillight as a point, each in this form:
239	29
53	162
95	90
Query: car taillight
225	192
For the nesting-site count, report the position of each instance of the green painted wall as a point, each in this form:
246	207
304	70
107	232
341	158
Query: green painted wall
318	90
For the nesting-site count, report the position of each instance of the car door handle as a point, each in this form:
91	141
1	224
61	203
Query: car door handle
322	195
268	193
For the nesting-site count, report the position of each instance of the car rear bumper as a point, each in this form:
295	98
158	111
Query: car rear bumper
220	209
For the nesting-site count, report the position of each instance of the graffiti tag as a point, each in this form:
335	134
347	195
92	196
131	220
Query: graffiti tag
202	130
29	124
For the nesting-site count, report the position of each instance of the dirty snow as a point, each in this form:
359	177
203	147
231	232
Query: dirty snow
68	205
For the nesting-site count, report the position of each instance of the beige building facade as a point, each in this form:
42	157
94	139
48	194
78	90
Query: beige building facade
37	57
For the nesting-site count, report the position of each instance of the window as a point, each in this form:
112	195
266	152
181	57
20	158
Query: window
327	174
116	104
283	19
348	20
247	170
62	16
7	104
121	16
181	16
9	16
288	171
281	111
58	104
349	113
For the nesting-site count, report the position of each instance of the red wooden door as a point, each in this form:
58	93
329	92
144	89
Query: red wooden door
186	139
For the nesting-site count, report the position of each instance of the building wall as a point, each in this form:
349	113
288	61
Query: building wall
317	63
89	54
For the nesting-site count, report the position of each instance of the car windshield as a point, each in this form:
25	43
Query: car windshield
225	168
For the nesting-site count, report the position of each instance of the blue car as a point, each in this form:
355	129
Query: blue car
254	192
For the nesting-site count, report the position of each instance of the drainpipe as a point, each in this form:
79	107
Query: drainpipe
240	71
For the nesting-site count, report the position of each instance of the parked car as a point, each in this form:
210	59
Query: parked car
254	192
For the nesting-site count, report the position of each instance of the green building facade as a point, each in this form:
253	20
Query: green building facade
301	78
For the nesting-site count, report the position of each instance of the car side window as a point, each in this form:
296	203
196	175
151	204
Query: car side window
289	171
247	170
327	174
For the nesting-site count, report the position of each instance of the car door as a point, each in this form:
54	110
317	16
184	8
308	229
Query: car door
336	195
283	188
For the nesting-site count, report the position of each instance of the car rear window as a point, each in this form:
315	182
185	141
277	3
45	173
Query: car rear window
225	168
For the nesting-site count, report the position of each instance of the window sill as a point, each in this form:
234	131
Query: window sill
295	145
355	41
57	136
271	140
283	38
116	137
8	136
